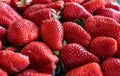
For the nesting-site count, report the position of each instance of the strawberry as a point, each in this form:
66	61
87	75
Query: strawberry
3	33
90	69
13	62
11	48
57	5
73	10
113	6
93	5
52	33
41	57
41	1
22	32
7	18
32	72
103	47
77	1
1	45
102	26
20	5
118	47
3	73
6	1
41	15
110	67
109	12
74	55
74	33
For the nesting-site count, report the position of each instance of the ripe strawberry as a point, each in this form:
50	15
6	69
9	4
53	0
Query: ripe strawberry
32	72
3	33
90	69
110	67
1	45
41	1
113	6
22	32
103	47
52	33
57	5
20	5
7	18
102	26
3	73
74	55
109	12
41	15
13	62
6	1
93	5
77	1
73	10
118	47
74	33
41	57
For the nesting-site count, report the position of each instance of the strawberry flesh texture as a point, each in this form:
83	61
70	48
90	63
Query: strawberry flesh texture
22	32
3	34
13	62
52	33
32	72
90	69
73	10
111	67
102	26
41	57
74	33
74	55
103	47
7	18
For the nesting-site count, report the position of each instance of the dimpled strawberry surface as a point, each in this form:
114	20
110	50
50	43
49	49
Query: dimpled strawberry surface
59	38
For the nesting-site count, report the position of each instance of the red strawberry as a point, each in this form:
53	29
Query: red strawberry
13	62
32	72
74	33
111	67
118	47
93	5
3	73
42	15
90	69
52	33
109	12
77	1
74	55
3	33
1	45
20	5
73	10
58	5
8	15
22	32
103	47
102	26
41	57
41	1
113	6
6	1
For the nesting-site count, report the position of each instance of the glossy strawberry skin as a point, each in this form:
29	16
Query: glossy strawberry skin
93	5
52	33
22	32
102	26
109	12
41	15
41	57
41	1
103	47
74	33
13	62
74	55
90	69
77	1
3	34
7	18
73	10
3	73
113	6
32	72
1	45
110	67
